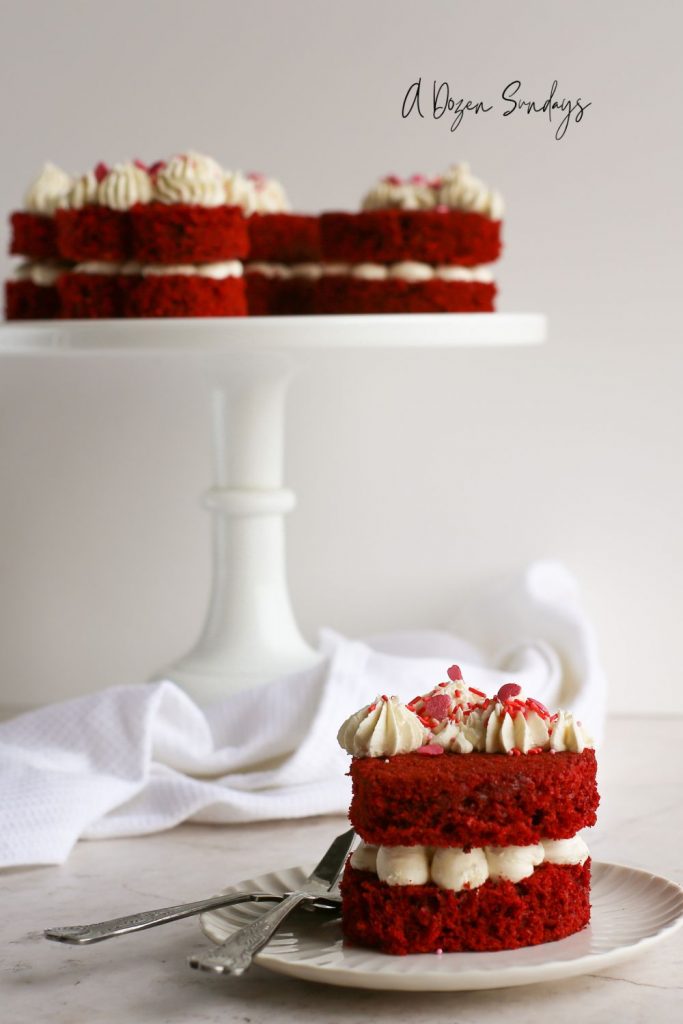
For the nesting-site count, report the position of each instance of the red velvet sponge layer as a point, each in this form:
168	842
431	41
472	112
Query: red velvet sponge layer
93	296
33	235
343	294
472	799
180	233
552	903
284	237
185	295
277	296
93	233
428	236
25	300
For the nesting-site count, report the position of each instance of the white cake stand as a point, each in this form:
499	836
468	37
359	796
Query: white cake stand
250	634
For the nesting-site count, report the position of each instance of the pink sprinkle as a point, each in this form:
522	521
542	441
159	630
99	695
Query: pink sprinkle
437	706
454	673
439	951
442	208
552	751
509	691
435	182
430	749
417	179
392	179
140	165
101	171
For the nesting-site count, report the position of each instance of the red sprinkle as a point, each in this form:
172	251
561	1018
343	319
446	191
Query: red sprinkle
509	691
140	165
101	171
430	749
156	166
392	179
478	692
454	674
437	706
384	697
371	708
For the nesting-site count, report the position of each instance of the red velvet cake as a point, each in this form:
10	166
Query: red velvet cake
468	809
418	246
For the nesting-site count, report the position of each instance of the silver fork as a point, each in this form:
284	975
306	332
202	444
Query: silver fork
84	934
235	955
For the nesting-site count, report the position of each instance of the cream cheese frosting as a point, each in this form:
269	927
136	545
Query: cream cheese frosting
456	189
190	178
123	186
48	190
44	273
382	729
457	718
454	868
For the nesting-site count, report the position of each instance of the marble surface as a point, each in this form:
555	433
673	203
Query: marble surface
143	977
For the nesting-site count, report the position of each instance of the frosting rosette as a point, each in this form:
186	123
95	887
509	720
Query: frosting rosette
460	190
48	190
382	729
190	178
124	185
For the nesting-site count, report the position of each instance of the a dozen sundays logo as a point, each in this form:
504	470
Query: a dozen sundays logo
442	102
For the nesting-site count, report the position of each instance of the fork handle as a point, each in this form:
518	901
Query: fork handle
84	934
234	956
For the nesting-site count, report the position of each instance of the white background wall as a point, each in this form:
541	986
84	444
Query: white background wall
418	475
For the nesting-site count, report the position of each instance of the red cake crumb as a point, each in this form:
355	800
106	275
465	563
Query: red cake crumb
278	296
25	300
472	799
93	233
345	294
180	233
427	236
185	295
33	235
92	296
550	904
284	237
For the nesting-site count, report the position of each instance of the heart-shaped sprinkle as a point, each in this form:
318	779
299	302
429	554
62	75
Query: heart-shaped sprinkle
437	706
454	673
509	691
430	749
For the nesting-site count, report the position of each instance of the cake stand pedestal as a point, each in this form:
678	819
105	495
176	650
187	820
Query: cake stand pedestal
250	634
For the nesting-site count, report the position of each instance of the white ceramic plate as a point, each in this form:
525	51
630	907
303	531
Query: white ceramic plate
632	911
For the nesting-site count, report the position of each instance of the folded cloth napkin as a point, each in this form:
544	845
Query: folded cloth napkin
142	758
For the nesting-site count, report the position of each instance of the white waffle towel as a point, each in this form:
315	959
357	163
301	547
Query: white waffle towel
142	758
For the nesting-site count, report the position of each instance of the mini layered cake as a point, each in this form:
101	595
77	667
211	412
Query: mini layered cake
284	252
418	246
132	241
469	810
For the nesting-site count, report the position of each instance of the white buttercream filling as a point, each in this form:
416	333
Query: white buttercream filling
41	272
284	271
451	867
218	271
